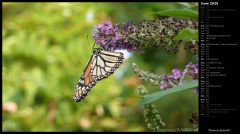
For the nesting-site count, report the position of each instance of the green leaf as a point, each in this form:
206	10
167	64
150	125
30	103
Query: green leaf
187	34
157	95
185	4
180	13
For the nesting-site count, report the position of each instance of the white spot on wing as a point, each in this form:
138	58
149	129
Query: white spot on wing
100	62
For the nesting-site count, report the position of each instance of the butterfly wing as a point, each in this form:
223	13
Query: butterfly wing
105	63
101	65
85	83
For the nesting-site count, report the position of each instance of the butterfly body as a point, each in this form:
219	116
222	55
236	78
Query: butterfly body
101	64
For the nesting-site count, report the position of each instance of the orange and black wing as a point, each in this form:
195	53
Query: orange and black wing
85	83
100	66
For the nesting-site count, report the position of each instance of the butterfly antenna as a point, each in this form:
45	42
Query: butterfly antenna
89	44
93	44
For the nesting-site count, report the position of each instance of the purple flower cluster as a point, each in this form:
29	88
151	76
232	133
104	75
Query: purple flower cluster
192	70
156	33
107	34
113	37
169	81
176	74
164	85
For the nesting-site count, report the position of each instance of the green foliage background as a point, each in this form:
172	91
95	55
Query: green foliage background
45	49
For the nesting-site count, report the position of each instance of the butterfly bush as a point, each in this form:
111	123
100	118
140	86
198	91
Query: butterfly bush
159	32
111	37
192	70
164	81
151	114
168	81
194	119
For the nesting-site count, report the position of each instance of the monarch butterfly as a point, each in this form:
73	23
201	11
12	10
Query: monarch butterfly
101	64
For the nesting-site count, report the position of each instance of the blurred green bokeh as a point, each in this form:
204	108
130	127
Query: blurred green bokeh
45	49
